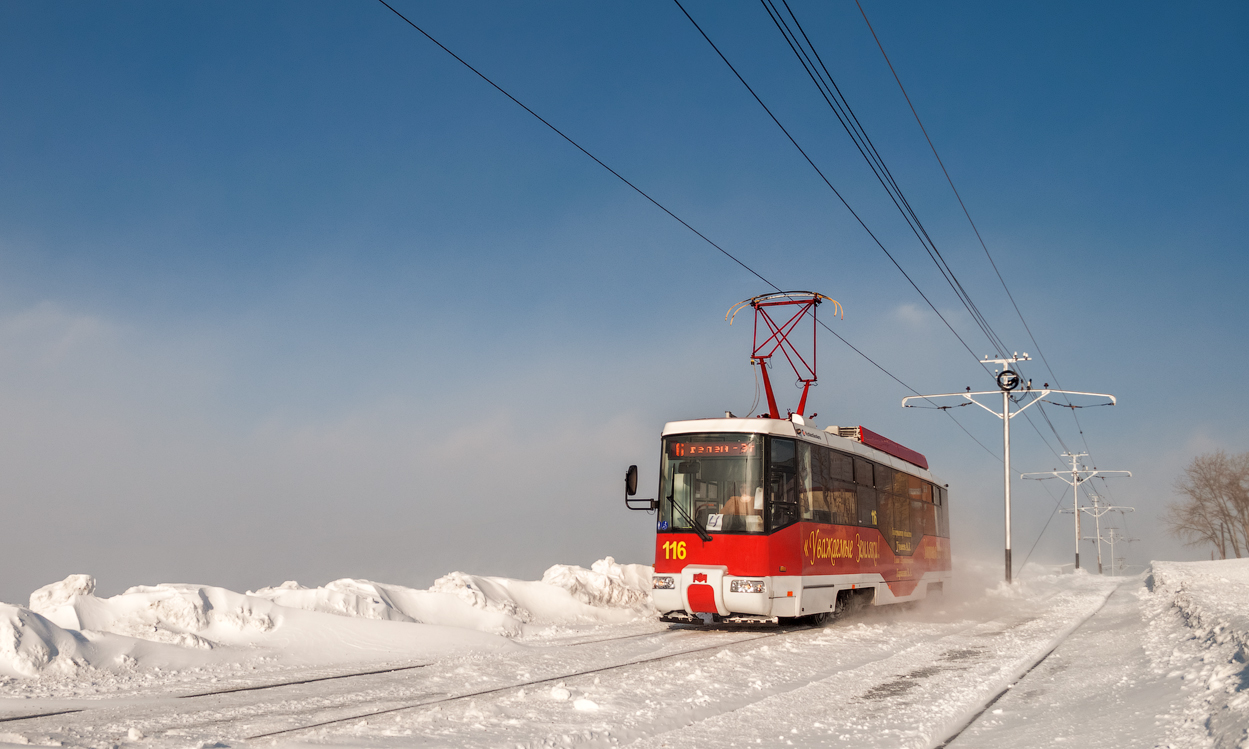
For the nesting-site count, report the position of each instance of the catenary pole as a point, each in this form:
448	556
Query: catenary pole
1006	476
1097	510
1079	475
1114	535
1007	380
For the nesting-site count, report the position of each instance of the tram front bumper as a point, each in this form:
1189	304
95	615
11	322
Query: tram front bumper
708	590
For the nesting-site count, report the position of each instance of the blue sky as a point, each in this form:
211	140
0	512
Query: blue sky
286	292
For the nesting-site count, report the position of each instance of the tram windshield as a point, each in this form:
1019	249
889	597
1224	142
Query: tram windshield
715	480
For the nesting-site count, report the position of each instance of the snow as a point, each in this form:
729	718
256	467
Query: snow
67	629
606	593
578	658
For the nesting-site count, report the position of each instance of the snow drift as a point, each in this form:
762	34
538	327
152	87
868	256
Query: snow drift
1208	604
66	627
30	645
606	593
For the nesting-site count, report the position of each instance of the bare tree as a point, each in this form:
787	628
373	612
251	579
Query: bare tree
1214	504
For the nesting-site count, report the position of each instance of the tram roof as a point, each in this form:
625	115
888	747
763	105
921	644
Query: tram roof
804	432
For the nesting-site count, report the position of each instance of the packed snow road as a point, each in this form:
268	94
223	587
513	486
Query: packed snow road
1093	661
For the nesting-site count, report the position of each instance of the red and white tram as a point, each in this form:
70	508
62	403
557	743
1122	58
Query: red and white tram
773	519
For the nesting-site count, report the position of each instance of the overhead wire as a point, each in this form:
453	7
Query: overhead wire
865	147
663	208
832	95
809	57
1057	503
976	230
829	183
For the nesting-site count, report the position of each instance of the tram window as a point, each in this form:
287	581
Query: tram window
899	483
866	497
895	522
841	466
722	488
884	516
813	483
863	473
783	483
783	453
926	489
923	519
902	533
840	496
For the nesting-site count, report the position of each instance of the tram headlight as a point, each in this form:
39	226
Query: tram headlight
746	586
662	582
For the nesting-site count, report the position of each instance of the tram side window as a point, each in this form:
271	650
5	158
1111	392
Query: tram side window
813	483
895	509
842	502
863	473
886	491
824	496
927	511
865	497
943	513
841	466
923	521
887	512
782	483
899	484
902	534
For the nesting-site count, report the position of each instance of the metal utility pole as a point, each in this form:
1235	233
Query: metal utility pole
1007	381
1113	535
1078	476
1097	509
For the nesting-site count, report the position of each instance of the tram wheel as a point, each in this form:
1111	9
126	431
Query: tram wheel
810	620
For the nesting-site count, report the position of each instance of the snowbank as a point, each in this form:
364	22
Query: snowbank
1199	632
31	645
67	627
606	593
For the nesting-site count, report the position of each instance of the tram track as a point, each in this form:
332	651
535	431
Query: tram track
984	708
562	643
534	682
233	714
892	682
335	677
231	690
290	708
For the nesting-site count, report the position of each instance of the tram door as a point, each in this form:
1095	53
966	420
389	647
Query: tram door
783	483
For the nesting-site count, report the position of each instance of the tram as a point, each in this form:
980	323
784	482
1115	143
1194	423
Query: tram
772	519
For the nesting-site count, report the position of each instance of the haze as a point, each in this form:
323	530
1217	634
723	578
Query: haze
287	293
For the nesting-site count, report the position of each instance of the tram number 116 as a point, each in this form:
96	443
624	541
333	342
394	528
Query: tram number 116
674	549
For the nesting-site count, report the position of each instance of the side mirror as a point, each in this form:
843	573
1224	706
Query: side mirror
631	488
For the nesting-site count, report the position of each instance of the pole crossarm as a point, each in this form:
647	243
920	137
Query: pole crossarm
1100	510
1008	381
1038	395
1075	477
1060	475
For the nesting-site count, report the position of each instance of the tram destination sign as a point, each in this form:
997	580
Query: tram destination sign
685	449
